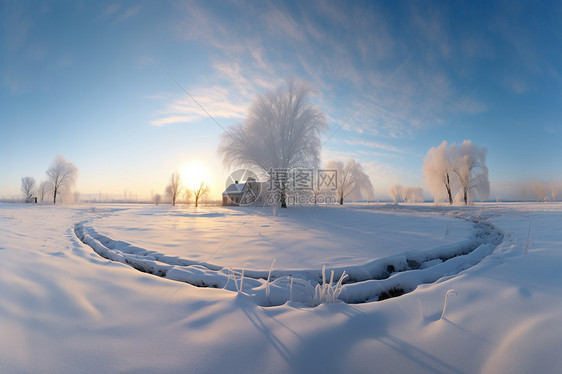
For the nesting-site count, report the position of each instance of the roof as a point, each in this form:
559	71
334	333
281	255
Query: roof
234	189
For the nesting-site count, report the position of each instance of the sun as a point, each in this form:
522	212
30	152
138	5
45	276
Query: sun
193	173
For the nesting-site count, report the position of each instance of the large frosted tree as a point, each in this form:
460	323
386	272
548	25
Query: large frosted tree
439	173
469	164
458	167
62	176
280	133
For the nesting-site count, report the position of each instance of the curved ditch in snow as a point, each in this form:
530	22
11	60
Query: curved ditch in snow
373	281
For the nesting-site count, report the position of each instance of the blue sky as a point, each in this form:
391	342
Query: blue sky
79	78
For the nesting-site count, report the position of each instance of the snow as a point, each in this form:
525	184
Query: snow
65	308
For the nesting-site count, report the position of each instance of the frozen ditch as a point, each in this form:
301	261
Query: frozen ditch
375	280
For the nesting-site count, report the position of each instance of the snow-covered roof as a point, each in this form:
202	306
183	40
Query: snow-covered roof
234	189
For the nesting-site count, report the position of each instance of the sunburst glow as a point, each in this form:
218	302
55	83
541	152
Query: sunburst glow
193	173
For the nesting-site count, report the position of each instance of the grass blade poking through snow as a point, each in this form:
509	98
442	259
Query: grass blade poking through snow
445	305
291	290
238	287
268	279
327	292
241	280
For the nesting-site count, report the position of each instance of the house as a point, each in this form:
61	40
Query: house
243	194
31	199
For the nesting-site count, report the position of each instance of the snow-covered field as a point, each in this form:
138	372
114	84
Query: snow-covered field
65	307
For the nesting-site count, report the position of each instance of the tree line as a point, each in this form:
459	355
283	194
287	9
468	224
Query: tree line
175	188
61	179
282	131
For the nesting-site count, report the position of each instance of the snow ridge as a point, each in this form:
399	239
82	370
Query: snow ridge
376	280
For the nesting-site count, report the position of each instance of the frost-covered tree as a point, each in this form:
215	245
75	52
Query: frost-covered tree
439	173
200	191
174	188
406	193
62	176
462	167
43	190
412	194
554	192
395	192
469	165
157	198
351	180
28	187
281	133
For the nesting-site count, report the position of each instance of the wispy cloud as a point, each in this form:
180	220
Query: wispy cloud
470	105
110	9
270	42
130	12
280	23
373	144
217	101
516	85
117	13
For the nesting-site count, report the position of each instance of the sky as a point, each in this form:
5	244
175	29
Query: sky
107	84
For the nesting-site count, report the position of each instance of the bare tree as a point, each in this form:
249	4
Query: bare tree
437	170
469	164
62	174
200	191
157	198
28	187
174	188
351	179
281	133
346	183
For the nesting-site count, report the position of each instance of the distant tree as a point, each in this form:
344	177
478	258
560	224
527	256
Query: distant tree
28	187
539	189
43	190
412	194
281	133
316	192
469	164
351	179
200	191
62	175
157	198
395	191
174	188
186	195
346	182
76	197
438	172
554	192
